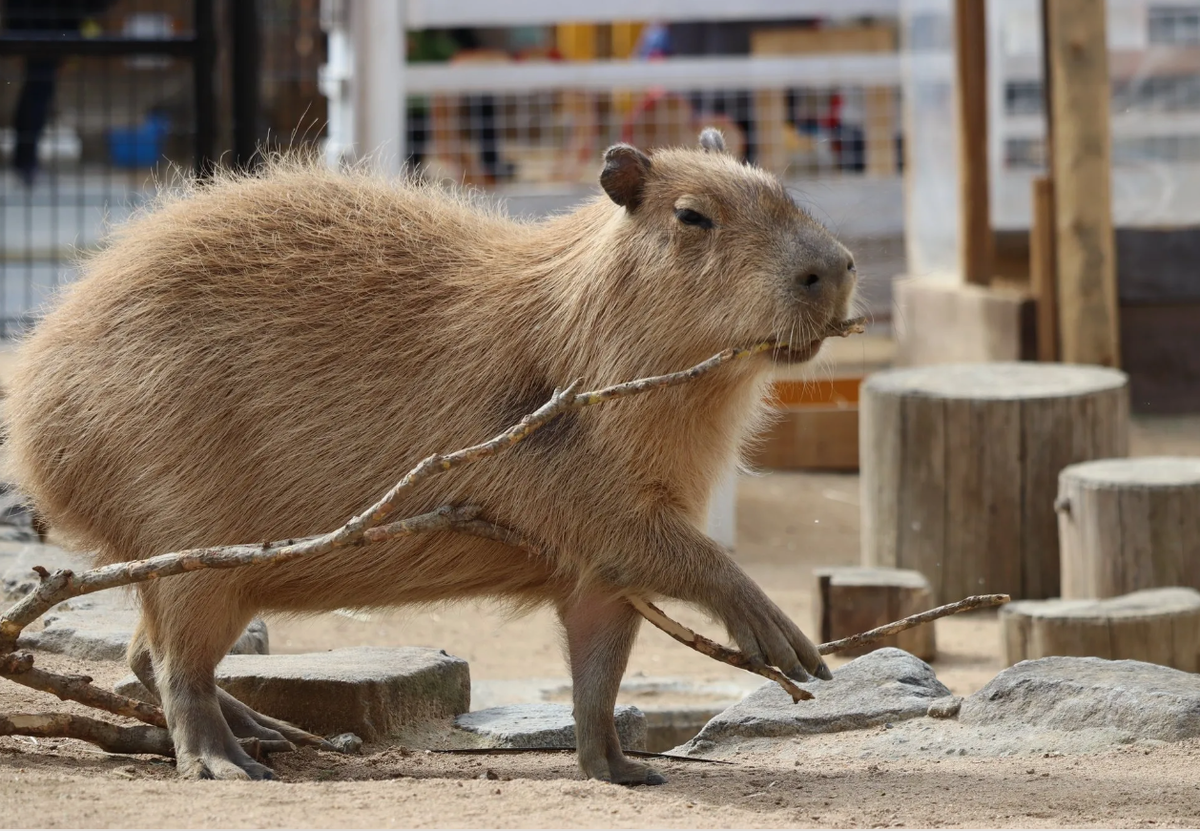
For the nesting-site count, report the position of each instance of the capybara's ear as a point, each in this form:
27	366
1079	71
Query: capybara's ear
624	175
712	140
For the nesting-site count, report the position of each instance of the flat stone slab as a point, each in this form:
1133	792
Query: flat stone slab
545	725
373	692
884	686
100	630
1130	699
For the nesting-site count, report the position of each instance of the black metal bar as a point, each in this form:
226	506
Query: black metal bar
246	68
35	45
203	67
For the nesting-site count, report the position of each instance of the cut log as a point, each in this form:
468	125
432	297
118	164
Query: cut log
853	600
1160	626
1129	524
960	468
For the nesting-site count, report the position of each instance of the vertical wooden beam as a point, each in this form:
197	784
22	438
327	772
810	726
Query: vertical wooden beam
1081	158
970	52
1042	268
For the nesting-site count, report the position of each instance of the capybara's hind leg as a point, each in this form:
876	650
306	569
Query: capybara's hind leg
601	630
272	735
191	626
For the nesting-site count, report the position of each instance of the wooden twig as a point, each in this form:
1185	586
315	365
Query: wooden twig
113	738
733	657
977	601
18	667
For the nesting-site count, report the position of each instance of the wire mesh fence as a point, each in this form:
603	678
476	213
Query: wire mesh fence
102	102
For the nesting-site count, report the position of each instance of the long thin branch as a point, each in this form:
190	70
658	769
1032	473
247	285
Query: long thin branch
976	601
64	585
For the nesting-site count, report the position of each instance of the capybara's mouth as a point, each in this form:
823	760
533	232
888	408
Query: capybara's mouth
788	353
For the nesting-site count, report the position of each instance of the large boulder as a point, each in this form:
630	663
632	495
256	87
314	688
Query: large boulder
1132	700
882	687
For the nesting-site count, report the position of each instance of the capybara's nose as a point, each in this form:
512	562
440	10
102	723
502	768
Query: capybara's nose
832	276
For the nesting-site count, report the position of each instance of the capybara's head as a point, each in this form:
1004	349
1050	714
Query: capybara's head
729	248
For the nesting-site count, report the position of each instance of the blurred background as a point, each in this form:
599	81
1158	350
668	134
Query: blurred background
856	104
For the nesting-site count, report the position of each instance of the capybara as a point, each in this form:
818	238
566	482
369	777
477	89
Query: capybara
261	356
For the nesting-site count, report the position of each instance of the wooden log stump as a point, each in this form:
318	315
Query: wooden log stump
1129	524
853	600
1160	626
960	467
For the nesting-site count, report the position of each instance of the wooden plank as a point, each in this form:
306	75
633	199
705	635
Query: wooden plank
1086	255
789	392
879	131
810	438
970	55
1041	268
1160	349
1158	265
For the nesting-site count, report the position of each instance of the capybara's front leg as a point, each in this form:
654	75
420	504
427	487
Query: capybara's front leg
601	628
681	562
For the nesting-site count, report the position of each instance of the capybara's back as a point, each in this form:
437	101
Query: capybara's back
262	356
236	340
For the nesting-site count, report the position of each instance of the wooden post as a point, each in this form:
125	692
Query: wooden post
1042	268
975	228
960	468
1081	158
1129	524
1159	626
853	600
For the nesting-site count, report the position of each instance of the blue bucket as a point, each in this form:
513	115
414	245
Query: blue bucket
139	146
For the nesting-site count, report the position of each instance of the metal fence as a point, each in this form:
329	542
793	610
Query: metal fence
103	101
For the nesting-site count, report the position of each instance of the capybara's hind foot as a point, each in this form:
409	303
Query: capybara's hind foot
191	765
273	735
622	771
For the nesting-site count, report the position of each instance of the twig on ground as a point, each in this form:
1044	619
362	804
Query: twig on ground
113	738
18	667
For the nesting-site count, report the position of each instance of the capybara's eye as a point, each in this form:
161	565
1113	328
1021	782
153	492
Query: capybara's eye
689	217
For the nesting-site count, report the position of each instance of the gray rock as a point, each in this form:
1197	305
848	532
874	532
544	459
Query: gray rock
373	692
887	685
16	519
1131	698
545	725
17	559
99	627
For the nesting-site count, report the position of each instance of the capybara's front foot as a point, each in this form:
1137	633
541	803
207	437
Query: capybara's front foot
621	771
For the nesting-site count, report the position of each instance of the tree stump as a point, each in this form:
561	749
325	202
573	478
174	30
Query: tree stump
960	467
1129	524
1160	626
853	600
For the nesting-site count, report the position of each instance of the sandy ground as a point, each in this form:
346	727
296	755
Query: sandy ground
788	524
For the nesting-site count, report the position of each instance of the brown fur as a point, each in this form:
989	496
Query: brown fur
261	357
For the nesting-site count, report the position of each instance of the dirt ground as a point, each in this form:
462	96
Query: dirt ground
787	524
